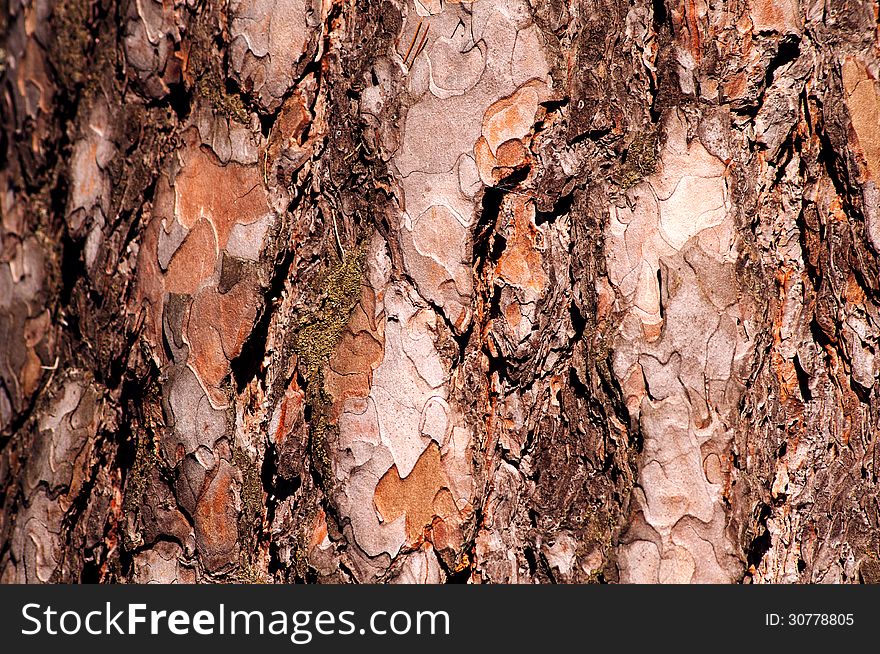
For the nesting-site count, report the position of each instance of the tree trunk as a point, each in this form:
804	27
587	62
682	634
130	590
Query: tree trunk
424	291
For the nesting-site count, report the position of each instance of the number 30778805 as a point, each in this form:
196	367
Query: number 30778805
809	619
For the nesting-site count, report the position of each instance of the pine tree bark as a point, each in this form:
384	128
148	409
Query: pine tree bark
509	291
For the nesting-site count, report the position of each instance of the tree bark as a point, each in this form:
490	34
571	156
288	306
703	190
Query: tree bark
424	291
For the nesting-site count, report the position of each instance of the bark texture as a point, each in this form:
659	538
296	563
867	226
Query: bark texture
427	290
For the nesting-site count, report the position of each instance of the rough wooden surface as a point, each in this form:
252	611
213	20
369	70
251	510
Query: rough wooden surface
424	291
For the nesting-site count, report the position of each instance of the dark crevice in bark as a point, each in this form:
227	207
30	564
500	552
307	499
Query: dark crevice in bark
561	207
91	569
788	51
132	416
836	169
761	542
532	561
784	157
490	210
277	487
659	11
180	100
661	29
457	577
268	119
823	340
248	364
803	380
546	568
595	135
452	575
